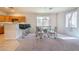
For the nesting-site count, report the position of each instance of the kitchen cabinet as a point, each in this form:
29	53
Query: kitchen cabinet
11	31
12	18
7	19
2	18
17	18
21	19
1	29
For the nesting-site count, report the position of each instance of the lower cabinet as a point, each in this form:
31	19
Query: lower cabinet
11	31
1	29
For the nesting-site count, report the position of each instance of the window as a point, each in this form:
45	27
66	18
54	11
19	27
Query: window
42	21
67	19
71	20
74	20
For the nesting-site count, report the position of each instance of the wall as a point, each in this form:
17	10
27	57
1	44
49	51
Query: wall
61	25
2	13
31	19
60	18
60	22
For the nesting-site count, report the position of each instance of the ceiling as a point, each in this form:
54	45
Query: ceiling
42	9
35	9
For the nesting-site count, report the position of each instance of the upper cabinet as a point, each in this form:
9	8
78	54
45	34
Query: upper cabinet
7	19
21	19
12	18
17	18
2	18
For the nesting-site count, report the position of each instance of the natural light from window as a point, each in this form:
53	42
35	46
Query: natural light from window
71	20
42	21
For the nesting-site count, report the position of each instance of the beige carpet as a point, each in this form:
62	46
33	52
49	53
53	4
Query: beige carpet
31	43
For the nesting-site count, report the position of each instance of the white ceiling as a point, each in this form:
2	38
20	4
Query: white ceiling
36	9
42	9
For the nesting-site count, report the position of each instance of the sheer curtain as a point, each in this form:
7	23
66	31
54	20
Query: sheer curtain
71	20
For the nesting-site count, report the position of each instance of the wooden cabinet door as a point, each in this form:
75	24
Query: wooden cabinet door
18	18
1	29
21	18
7	19
12	18
2	18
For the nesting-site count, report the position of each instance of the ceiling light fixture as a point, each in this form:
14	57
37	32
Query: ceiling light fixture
50	8
12	9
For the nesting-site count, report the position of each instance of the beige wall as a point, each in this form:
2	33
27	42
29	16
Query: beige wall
61	25
31	19
60	22
2	13
60	18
